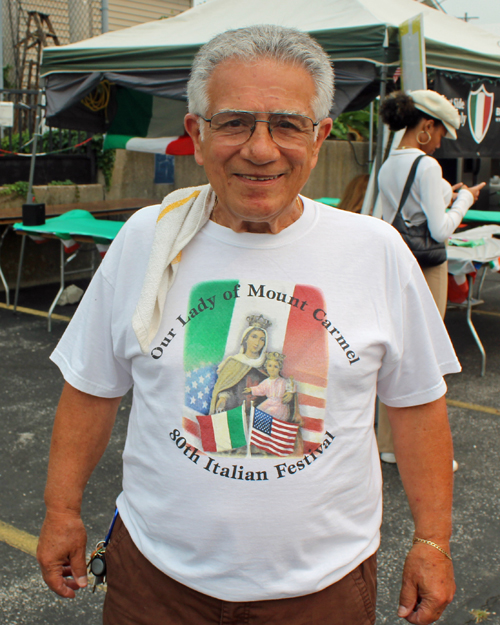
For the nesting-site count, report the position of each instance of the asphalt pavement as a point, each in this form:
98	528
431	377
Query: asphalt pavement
29	391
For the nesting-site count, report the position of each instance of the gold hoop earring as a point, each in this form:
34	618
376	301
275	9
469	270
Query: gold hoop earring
428	137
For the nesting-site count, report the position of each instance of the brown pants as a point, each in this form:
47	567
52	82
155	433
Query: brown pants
139	594
437	281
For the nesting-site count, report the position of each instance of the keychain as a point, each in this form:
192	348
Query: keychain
97	562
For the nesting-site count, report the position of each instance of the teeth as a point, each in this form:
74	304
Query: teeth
259	177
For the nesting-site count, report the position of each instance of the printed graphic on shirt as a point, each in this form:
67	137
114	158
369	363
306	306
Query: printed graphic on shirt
256	369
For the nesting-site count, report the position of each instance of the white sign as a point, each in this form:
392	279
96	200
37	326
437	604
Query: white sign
413	68
6	114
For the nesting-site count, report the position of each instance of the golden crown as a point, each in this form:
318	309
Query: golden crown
258	321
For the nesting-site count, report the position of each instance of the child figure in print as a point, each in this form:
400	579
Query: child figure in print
279	391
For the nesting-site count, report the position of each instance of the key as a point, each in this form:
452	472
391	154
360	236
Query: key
97	565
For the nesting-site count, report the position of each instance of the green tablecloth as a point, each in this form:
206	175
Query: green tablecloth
76	223
329	201
484	217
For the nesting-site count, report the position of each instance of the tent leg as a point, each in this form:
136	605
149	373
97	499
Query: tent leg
370	140
471	325
380	129
29	196
2	277
19	270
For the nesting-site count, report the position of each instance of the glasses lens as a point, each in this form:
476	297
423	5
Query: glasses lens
233	127
291	130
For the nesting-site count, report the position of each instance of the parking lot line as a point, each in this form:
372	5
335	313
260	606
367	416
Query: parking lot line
486	312
476	407
18	539
32	311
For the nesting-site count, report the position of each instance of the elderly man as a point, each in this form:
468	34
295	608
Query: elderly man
230	514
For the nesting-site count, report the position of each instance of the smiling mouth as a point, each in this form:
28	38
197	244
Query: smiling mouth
259	178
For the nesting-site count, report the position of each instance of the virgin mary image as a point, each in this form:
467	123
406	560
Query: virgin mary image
242	370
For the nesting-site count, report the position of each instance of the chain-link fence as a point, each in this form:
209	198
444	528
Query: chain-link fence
29	25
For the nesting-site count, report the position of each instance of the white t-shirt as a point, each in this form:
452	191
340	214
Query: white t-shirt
430	194
214	501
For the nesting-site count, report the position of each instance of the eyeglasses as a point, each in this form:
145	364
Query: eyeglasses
286	130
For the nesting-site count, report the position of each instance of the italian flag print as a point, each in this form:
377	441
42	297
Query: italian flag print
215	321
223	431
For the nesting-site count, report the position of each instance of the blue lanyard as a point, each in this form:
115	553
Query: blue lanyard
108	535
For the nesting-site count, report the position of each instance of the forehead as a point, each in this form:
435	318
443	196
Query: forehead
260	85
257	333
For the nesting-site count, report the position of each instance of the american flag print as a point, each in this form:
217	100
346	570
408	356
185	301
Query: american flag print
272	435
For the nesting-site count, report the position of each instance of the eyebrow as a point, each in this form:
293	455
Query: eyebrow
280	112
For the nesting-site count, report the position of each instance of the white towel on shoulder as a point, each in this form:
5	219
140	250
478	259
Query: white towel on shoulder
182	214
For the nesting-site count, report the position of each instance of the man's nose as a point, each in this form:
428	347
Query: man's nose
261	147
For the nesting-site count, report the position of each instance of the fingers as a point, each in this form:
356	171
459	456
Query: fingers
477	189
62	585
407	598
424	613
61	554
428	586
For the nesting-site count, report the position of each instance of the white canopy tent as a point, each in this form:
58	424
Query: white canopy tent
361	37
348	29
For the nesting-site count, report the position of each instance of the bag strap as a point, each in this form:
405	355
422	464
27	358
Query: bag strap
409	182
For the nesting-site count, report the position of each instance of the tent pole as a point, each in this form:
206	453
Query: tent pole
105	15
29	197
1	46
370	139
380	129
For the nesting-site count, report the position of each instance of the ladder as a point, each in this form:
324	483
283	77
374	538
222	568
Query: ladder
39	30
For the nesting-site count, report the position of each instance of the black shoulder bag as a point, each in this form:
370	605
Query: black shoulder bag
426	250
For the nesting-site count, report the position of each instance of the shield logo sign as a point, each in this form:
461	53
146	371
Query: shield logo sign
480	105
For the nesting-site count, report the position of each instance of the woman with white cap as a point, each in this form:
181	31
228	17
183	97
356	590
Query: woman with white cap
428	117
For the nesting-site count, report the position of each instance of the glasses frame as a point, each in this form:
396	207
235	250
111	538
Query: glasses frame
264	121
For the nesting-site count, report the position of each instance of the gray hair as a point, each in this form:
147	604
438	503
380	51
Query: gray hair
285	45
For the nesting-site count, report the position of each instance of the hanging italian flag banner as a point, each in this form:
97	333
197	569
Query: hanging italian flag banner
146	123
224	322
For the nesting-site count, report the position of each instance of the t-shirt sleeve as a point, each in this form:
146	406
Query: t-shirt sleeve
420	352
85	354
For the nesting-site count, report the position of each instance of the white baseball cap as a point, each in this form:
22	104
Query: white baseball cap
439	107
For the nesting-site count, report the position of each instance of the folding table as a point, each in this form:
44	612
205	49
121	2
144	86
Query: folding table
79	225
475	250
10	216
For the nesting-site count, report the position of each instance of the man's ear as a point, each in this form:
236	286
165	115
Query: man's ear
192	126
324	129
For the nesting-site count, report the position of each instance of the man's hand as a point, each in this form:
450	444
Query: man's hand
424	452
61	553
428	585
81	432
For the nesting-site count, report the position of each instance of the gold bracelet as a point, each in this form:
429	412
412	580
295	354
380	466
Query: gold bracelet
429	542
